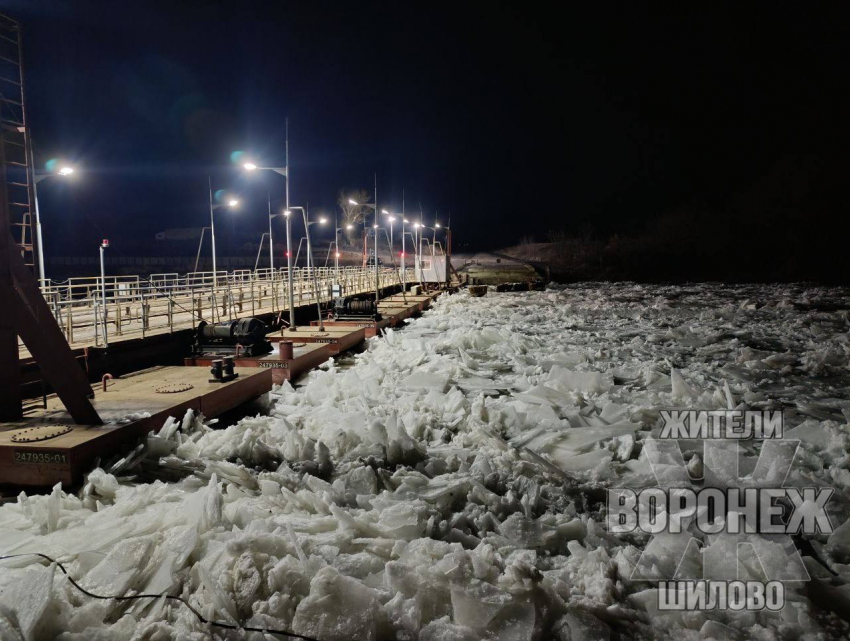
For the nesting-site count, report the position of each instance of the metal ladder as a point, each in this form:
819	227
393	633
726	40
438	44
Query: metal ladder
16	140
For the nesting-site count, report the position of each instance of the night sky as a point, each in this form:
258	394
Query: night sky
518	117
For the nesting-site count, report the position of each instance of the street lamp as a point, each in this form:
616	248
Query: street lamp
417	247
404	221
231	203
348	227
281	171
433	238
338	229
65	171
307	224
392	220
377	274
103	245
303	238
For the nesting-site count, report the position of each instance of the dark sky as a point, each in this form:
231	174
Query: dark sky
518	117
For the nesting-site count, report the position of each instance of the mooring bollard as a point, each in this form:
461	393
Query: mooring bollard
286	350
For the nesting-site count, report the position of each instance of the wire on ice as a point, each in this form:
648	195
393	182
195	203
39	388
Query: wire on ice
134	597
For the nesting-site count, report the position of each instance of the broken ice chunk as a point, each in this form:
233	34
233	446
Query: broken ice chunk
569	461
404	520
680	387
471	383
120	569
477	604
425	381
338	608
581	625
540	394
444	630
168	558
29	598
587	382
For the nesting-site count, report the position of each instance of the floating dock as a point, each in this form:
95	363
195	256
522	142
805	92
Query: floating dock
422	300
305	356
371	327
393	311
338	339
46	447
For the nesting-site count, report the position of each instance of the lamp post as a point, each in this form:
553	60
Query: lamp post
281	171
336	244
392	220
103	245
404	221
307	224
420	226
231	203
433	229
417	249
66	170
322	221
375	207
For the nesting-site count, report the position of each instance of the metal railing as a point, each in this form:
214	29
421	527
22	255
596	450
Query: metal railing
137	306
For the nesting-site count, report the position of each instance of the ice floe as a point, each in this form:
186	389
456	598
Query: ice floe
450	484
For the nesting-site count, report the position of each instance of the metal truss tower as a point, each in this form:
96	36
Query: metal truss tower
24	312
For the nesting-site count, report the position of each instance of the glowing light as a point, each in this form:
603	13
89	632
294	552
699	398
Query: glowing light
401	254
322	221
384	211
349	226
233	202
352	202
374	226
55	166
417	225
392	219
337	254
250	166
287	212
404	220
437	225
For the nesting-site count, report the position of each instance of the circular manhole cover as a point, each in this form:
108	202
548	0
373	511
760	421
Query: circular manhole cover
174	388
40	433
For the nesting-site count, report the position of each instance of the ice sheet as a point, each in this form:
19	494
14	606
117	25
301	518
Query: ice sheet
449	484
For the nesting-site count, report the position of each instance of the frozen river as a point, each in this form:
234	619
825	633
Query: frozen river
451	484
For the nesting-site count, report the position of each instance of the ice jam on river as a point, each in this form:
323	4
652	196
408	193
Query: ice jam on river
451	483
